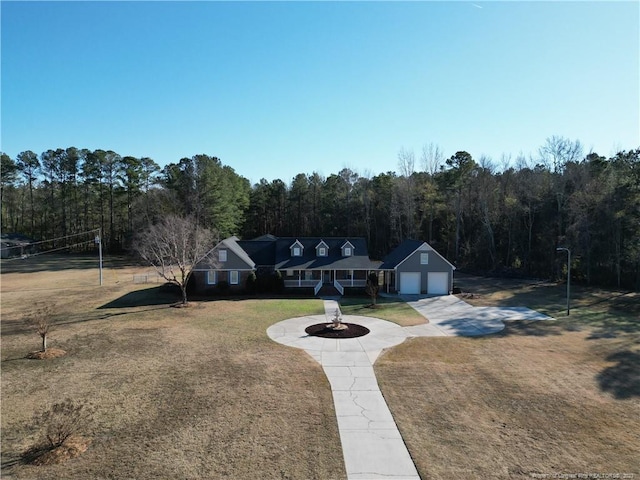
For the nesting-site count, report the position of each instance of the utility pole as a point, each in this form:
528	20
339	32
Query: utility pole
98	241
560	249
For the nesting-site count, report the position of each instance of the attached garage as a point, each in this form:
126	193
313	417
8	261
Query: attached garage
410	283
438	283
414	267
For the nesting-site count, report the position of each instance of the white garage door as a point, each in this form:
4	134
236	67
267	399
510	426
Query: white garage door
438	283
410	282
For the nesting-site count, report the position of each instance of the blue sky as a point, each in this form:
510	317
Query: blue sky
279	88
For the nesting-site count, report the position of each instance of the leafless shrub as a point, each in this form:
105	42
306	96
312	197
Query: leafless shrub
62	420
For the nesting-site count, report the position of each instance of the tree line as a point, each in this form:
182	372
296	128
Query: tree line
505	218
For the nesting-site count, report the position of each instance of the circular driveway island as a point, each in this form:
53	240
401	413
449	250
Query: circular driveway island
382	334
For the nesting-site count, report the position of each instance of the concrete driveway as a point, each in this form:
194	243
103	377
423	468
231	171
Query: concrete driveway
450	316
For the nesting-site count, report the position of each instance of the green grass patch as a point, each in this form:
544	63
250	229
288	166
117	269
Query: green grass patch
391	309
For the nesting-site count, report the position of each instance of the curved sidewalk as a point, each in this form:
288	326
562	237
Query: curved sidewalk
371	443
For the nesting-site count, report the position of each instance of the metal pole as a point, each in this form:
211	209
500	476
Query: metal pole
559	249
568	281
98	240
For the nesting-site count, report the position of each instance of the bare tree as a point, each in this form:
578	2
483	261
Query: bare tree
406	192
560	152
40	318
174	246
432	158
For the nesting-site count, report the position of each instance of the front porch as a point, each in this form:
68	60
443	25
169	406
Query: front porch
316	279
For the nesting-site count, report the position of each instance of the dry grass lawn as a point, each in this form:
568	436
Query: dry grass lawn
191	393
555	398
202	392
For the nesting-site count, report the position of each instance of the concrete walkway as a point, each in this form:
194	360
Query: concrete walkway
371	443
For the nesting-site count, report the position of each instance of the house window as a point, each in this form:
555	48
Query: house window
322	252
308	275
233	277
222	255
424	259
212	277
347	251
297	252
290	273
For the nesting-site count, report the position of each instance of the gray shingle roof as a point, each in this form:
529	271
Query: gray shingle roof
401	252
359	260
261	251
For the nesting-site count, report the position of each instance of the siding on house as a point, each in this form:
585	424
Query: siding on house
436	264
406	258
201	285
237	258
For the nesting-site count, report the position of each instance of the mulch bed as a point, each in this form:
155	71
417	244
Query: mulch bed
49	353
324	330
71	448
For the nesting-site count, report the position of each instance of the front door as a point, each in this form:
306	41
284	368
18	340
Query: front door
326	276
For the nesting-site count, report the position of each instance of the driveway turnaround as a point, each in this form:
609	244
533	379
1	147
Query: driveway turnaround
371	443
450	316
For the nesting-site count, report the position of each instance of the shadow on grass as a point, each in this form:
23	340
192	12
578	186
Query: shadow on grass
622	380
161	295
364	303
157	298
539	328
168	295
13	459
608	313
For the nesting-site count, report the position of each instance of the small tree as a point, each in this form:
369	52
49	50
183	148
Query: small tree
174	246
62	420
372	287
40	318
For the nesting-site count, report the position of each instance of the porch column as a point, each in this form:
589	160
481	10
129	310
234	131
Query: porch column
299	278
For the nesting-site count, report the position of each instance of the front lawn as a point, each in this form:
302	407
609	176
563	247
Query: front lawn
554	398
197	392
387	308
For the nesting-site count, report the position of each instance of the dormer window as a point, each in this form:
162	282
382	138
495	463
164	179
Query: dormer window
222	255
322	249
347	249
296	249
